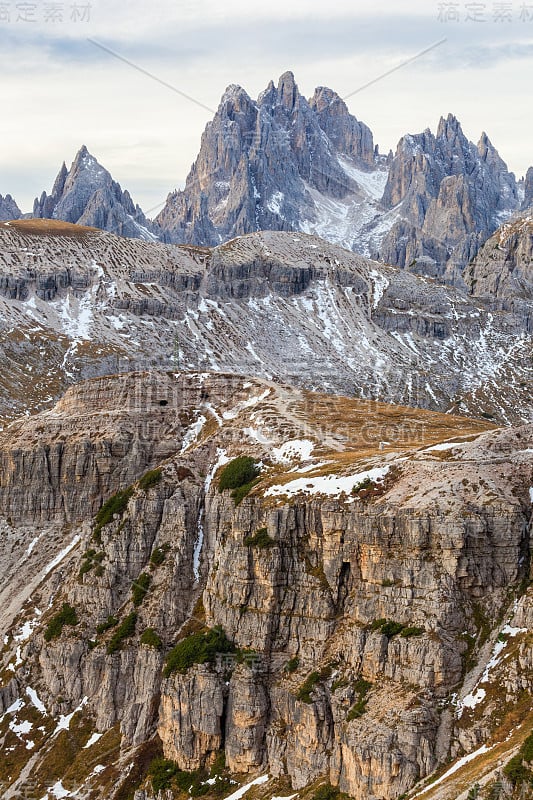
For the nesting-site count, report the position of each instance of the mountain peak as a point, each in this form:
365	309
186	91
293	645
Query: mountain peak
87	195
287	90
449	127
325	99
9	209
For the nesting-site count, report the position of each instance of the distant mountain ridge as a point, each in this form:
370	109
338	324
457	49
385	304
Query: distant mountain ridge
287	163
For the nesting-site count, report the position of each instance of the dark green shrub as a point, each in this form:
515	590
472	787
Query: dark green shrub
516	772
239	494
239	472
390	629
292	665
105	626
326	792
361	687
150	479
67	616
139	588
151	639
366	483
259	539
199	648
91	559
124	631
159	554
85	568
115	505
162	771
526	751
411	630
307	688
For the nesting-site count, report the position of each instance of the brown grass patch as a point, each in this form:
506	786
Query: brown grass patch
49	227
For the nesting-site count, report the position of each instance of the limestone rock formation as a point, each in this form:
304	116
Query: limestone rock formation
450	196
8	208
528	189
360	621
86	194
280	163
502	272
77	302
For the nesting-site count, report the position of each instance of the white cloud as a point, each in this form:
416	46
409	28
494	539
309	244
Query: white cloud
59	91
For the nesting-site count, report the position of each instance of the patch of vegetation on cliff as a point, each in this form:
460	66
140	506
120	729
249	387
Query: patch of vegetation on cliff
237	473
151	638
139	588
116	504
240	475
150	478
292	665
311	682
361	687
67	616
165	774
389	628
329	792
110	622
516	770
259	539
159	555
239	494
90	560
125	630
199	648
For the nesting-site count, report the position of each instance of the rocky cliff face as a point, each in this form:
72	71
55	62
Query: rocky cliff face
285	163
450	195
354	617
528	189
279	163
76	303
8	208
86	194
502	271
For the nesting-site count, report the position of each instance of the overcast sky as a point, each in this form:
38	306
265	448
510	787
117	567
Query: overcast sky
59	91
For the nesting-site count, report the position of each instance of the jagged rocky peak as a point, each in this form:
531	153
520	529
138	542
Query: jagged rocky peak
528	189
86	194
502	272
8	209
344	131
449	128
268	164
288	91
450	195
